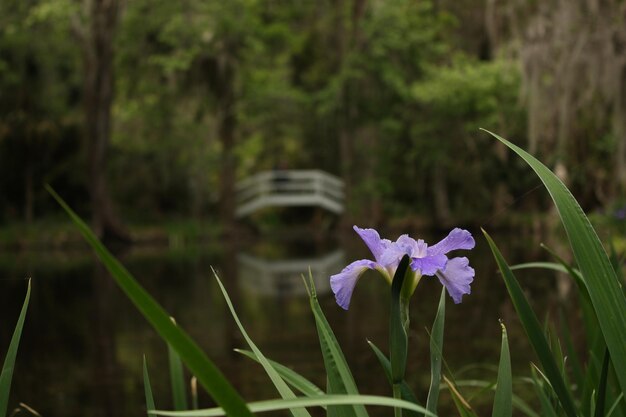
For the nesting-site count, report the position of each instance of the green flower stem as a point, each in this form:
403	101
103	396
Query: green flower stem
397	383
398	326
397	394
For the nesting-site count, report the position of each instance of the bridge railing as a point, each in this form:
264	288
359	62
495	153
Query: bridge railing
289	188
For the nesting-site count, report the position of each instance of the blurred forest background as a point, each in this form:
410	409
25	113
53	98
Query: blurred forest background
148	110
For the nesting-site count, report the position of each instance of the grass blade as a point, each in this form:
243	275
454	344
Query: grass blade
462	406
284	390
600	402
436	354
9	361
540	265
605	288
547	409
340	379
323	400
194	392
518	403
147	387
615	404
289	375
196	360
572	355
177	379
534	331
503	400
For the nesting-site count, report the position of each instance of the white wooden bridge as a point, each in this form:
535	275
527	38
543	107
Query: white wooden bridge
289	188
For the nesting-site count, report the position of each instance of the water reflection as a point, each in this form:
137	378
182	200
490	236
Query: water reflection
281	277
83	342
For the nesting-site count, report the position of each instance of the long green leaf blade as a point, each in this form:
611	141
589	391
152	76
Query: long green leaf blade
533	330
546	406
196	360
436	354
340	379
284	390
541	265
323	400
9	361
503	400
405	391
605	289
289	375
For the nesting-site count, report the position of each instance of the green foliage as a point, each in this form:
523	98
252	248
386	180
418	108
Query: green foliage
599	277
436	353
535	332
398	323
290	376
503	401
148	389
598	388
319	401
338	374
284	391
355	88
603	308
177	379
198	363
39	106
9	361
405	391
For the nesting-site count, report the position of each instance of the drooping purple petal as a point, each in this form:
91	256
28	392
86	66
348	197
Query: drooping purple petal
457	277
429	265
373	241
344	282
456	239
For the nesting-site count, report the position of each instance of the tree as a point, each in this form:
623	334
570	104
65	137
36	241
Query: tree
99	85
38	140
574	72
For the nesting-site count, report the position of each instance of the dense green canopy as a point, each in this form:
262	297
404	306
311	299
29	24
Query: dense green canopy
389	95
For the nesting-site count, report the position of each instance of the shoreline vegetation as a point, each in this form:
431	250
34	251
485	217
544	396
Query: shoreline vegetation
58	234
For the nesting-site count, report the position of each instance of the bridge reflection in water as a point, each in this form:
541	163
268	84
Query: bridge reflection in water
283	277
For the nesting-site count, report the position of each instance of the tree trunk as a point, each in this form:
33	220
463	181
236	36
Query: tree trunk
99	86
619	128
227	123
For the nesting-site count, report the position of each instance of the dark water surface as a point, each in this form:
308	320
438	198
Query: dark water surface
83	342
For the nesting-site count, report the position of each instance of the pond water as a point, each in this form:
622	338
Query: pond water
83	342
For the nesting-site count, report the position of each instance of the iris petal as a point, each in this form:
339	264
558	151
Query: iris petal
404	245
344	282
392	255
457	277
373	241
456	239
430	264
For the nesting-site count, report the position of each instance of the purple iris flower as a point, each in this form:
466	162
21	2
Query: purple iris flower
455	274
